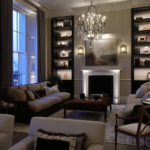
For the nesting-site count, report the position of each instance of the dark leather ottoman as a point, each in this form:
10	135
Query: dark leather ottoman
99	106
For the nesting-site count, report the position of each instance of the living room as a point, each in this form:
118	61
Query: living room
77	69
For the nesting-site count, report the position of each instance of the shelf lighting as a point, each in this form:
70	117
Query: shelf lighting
123	49
80	51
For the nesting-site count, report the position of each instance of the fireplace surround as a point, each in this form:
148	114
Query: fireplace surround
115	73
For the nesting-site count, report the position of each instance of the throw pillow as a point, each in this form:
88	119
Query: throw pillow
80	138
39	93
141	91
19	94
52	90
146	96
47	144
30	95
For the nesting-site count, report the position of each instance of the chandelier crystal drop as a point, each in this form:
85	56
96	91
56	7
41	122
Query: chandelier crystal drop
91	25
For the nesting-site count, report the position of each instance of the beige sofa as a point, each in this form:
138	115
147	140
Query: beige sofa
95	131
39	107
6	131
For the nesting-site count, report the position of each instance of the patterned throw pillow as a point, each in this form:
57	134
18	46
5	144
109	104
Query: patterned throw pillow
77	142
146	96
19	94
30	95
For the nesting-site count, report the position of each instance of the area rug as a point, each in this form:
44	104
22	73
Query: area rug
96	116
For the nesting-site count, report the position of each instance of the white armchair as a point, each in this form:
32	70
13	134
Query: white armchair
6	131
95	131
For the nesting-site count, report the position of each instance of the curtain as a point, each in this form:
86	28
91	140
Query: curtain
41	44
6	7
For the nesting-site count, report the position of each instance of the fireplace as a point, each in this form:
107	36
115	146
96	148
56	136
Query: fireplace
101	84
115	73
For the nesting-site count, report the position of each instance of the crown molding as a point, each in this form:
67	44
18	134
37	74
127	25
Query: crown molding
102	8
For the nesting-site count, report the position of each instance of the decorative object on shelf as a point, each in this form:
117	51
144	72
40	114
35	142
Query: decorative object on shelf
142	40
64	63
54	79
104	52
123	49
91	25
58	64
55	44
61	64
147	38
147	27
148	76
137	50
80	51
63	53
141	62
136	27
135	39
68	34
69	54
82	96
139	18
96	97
147	63
65	76
146	50
58	54
137	62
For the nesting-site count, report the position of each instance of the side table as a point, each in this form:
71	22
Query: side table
9	107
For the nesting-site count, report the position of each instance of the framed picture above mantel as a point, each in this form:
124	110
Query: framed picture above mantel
101	52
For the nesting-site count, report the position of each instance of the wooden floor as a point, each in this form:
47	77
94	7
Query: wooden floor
18	136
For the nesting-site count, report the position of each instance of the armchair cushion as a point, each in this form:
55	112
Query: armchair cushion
132	128
95	147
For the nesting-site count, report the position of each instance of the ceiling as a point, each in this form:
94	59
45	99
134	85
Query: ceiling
55	8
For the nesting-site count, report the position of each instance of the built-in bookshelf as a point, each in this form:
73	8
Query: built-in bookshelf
63	50
140	35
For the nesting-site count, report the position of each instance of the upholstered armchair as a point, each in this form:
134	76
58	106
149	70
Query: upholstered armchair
95	131
137	130
6	131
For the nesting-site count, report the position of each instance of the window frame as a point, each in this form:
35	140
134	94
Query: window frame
26	51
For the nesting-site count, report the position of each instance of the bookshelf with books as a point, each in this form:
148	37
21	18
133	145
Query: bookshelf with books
140	35
63	50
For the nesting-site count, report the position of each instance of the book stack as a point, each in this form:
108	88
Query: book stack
57	34
67	23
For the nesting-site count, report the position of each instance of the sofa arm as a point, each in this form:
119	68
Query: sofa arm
95	147
25	144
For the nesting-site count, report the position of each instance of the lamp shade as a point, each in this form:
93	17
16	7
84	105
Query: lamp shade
80	51
123	49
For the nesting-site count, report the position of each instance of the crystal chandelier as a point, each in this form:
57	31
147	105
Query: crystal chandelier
91	25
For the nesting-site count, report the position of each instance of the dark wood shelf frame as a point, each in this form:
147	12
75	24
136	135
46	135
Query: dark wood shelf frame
135	84
67	84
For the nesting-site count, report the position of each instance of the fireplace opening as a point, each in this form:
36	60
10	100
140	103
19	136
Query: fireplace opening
101	84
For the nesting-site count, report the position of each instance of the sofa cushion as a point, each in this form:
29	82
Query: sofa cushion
63	95
39	105
132	99
53	99
33	87
43	84
141	91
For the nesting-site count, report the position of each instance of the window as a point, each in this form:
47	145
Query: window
24	49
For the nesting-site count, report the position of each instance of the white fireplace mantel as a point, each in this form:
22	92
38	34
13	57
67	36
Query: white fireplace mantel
116	81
